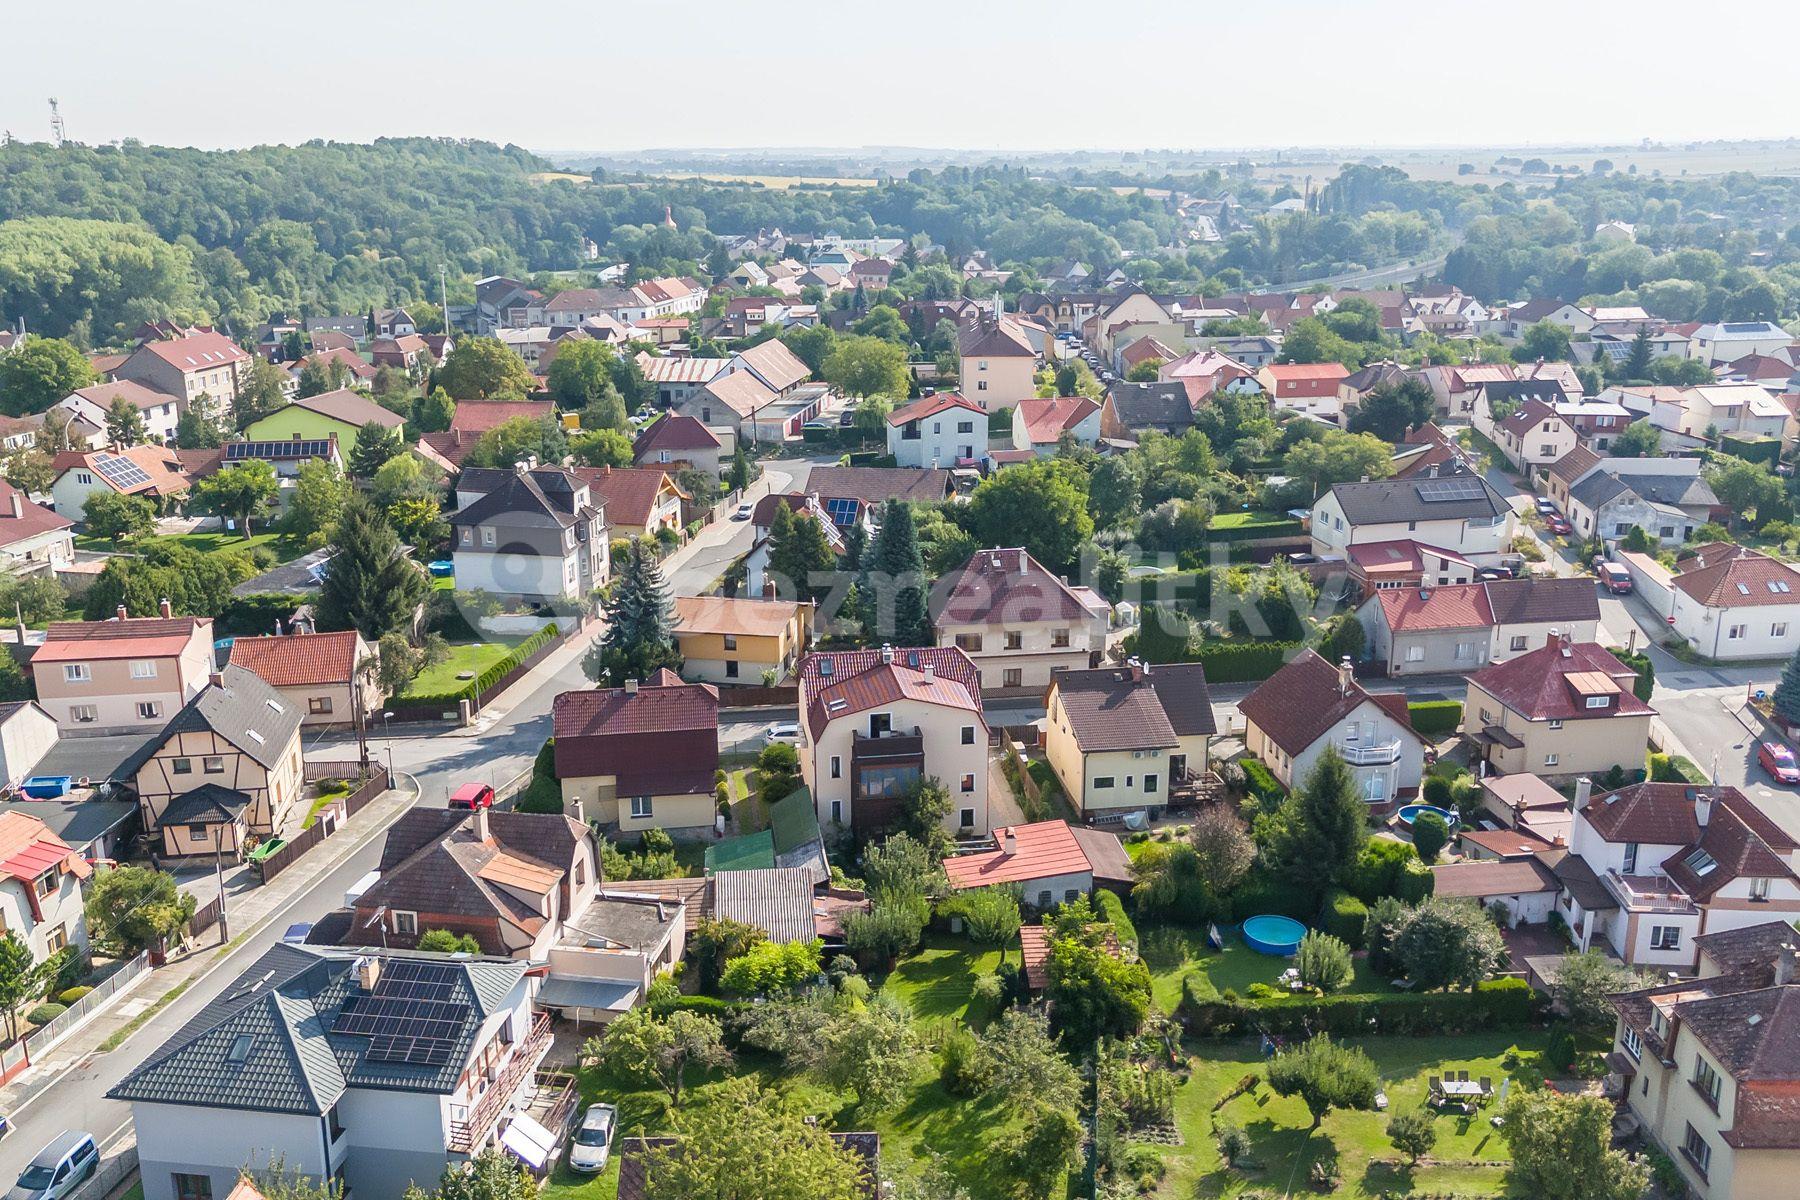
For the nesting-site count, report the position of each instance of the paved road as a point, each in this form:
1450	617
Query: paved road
723	541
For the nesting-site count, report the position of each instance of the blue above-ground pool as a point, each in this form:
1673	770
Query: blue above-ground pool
1410	813
1270	934
441	567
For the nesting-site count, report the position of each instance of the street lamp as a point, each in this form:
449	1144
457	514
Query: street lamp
388	733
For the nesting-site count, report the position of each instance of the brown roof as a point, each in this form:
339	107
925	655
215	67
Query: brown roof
740	617
740	391
873	485
1006	587
299	659
1527	417
1747	946
659	740
103	394
1728	849
1480	878
674	431
778	366
1507	843
1300	703
1117	708
33	519
196	352
476	417
929	406
1574	464
843	683
1552	683
133	637
1537	601
352	408
1746	580
348	358
1664	814
167	474
630	494
995	339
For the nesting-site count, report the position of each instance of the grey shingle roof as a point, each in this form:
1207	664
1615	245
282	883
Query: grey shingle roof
277	1016
208	804
1151	405
241	708
1385	501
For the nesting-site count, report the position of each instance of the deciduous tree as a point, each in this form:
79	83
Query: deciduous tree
1447	943
117	517
243	492
1562	1148
1325	1076
125	423
482	368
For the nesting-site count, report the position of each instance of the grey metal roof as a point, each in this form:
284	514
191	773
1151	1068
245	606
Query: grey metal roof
208	804
1385	501
76	821
1151	405
265	1042
93	758
777	900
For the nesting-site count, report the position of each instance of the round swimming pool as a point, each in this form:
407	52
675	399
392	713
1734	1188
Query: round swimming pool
1270	934
1410	813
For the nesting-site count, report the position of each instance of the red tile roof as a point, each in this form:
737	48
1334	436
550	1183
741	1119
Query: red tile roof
299	659
629	493
134	637
661	739
1300	703
839	684
1046	420
351	360
675	431
1747	579
1416	610
478	416
1298	371
1665	814
1507	843
930	406
1400	557
1542	685
197	352
1736	851
1040	851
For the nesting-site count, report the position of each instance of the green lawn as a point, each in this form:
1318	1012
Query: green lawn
284	548
324	798
1285	1147
1243	520
1236	967
938	980
464	656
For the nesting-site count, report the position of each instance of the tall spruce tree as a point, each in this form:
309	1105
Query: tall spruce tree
799	553
1325	822
370	585
893	586
639	623
1787	692
1637	361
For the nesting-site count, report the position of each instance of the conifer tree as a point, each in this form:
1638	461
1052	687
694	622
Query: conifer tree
370	585
639	623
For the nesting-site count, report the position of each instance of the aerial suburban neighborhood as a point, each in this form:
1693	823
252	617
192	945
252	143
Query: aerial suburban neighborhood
937	670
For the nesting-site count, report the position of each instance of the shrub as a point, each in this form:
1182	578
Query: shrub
71	995
1234	1144
1437	791
989	992
1263	892
1242	662
1493	1004
1342	916
1430	834
1388	868
1112	911
1435	717
1324	962
1560	1051
963	1065
1413	1133
43	1014
1261	783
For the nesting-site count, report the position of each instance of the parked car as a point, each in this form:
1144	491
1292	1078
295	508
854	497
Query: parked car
1514	564
847	418
1491	574
1778	760
1545	505
782	731
69	1161
472	796
743	511
592	1143
1613	577
1558	524
297	932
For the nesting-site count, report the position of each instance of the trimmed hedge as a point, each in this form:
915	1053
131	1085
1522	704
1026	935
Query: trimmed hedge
43	1014
1263	893
1112	909
1494	1004
1242	662
488	678
1342	916
1435	716
71	995
1261	783
1285	527
1766	450
250	616
1388	868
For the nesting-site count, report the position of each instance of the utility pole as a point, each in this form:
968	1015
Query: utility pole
58	134
444	298
219	879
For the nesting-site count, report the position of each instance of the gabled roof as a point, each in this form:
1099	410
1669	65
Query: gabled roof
1296	372
776	365
133	637
674	431
1528	416
1006	587
103	394
1141	406
930	406
741	391
1135	707
542	496
475	417
777	900
197	352
1422	609
1046	420
1042	850
349	358
32	519
1748	579
1300	703
242	709
739	616
352	408
1419	498
839	684
1665	814
135	470
1539	601
679	368
660	739
1550	683
630	494
875	485
299	659
1575	464
1728	849
1747	947
995	339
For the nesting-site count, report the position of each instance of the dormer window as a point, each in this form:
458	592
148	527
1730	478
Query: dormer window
1599	701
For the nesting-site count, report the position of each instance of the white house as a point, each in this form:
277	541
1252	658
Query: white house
535	533
1039	425
161	411
1461	513
1728	601
1429	629
1309	705
40	886
943	430
1727	341
874	723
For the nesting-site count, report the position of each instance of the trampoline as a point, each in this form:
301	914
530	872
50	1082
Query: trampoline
1271	934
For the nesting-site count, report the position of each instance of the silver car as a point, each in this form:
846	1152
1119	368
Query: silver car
59	1168
592	1143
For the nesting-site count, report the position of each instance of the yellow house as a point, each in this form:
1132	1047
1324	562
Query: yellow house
1127	738
227	765
639	757
728	640
1564	710
342	412
997	365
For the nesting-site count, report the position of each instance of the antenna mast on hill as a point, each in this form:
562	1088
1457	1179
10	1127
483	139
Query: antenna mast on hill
57	133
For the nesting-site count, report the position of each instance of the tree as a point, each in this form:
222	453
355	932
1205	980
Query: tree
117	517
243	492
370	586
801	561
893	586
1147	371
1115	491
262	389
1324	822
129	908
1640	439
867	366
888	930
320	491
125	423
1744	488
923	810
515	440
657	1051
1326	1076
1585	981
1787	692
990	915
1323	962
375	445
1545	340
1447	943
1027	1071
1392	409
580	377
320	376
39	372
640	619
1038	1155
443	941
1562	1148
1093	993
202	426
403	477
602	448
1413	1133
714	942
1638	360
30	470
902	867
490	1175
434	411
1041	506
739	475
1338	457
870	417
1430	834
746	1143
21	977
418	521
482	368
870	1049
278	1181
770	967
1223	849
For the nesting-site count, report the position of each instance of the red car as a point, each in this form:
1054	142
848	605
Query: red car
1779	762
1559	524
1614	577
472	796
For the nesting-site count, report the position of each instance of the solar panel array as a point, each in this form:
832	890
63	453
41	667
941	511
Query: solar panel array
310	448
120	472
1433	490
411	1016
841	511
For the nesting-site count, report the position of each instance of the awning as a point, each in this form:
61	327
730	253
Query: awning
530	1142
1620	1063
601	995
1494	735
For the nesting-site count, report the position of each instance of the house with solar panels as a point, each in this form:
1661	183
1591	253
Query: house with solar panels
1462	514
374	1069
287	456
157	473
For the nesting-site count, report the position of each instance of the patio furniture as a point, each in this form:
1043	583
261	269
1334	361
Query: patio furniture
1436	1085
1461	1089
1487	1086
1381	1101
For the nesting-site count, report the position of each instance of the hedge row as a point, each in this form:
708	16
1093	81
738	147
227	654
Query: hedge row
1494	1004
1261	782
1113	910
1286	527
1342	916
1242	662
1435	716
488	678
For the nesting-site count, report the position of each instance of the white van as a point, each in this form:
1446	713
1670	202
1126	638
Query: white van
65	1164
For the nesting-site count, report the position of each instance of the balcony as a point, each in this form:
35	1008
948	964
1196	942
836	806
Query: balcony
895	746
1359	754
1650	893
518	1068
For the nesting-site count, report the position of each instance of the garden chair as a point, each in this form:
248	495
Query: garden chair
1436	1088
1487	1086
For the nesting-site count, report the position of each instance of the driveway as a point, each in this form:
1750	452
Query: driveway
1003	806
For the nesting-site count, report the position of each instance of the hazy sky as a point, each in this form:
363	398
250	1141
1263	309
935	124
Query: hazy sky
963	74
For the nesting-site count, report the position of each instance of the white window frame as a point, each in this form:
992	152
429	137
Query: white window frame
406	922
77	673
143	668
642	808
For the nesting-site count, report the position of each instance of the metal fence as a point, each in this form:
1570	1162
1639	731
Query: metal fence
46	1036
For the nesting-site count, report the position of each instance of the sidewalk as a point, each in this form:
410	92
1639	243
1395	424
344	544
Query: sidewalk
246	914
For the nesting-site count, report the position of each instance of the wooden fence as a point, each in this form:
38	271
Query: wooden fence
780	696
206	916
377	782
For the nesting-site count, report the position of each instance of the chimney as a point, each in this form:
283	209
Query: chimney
1135	666
1703	804
887	654
930	672
18	505
1024	562
165	608
1346	676
480	825
1584	791
122	613
631	686
368	972
1431	472
216	679
1786	964
1009	842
